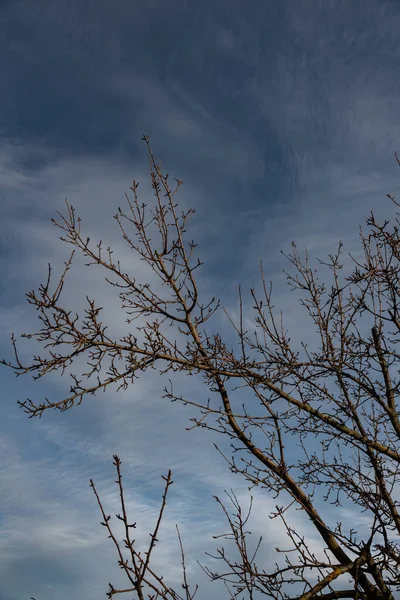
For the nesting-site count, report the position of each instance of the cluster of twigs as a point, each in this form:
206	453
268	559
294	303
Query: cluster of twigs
137	566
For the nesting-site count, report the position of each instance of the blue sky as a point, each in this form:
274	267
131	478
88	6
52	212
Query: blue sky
281	117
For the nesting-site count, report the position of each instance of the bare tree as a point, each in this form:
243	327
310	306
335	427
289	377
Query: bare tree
326	428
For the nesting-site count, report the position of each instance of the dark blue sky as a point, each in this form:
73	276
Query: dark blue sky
282	119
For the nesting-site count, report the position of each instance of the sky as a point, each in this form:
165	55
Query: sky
281	117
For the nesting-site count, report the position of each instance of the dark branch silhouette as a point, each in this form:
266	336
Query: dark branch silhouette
326	420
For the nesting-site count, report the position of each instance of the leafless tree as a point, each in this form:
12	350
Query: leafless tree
326	430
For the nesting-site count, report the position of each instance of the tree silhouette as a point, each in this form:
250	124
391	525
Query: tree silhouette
327	419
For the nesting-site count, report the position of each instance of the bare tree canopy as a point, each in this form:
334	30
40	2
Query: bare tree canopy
326	424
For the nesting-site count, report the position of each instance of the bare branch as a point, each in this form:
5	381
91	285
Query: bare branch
319	427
